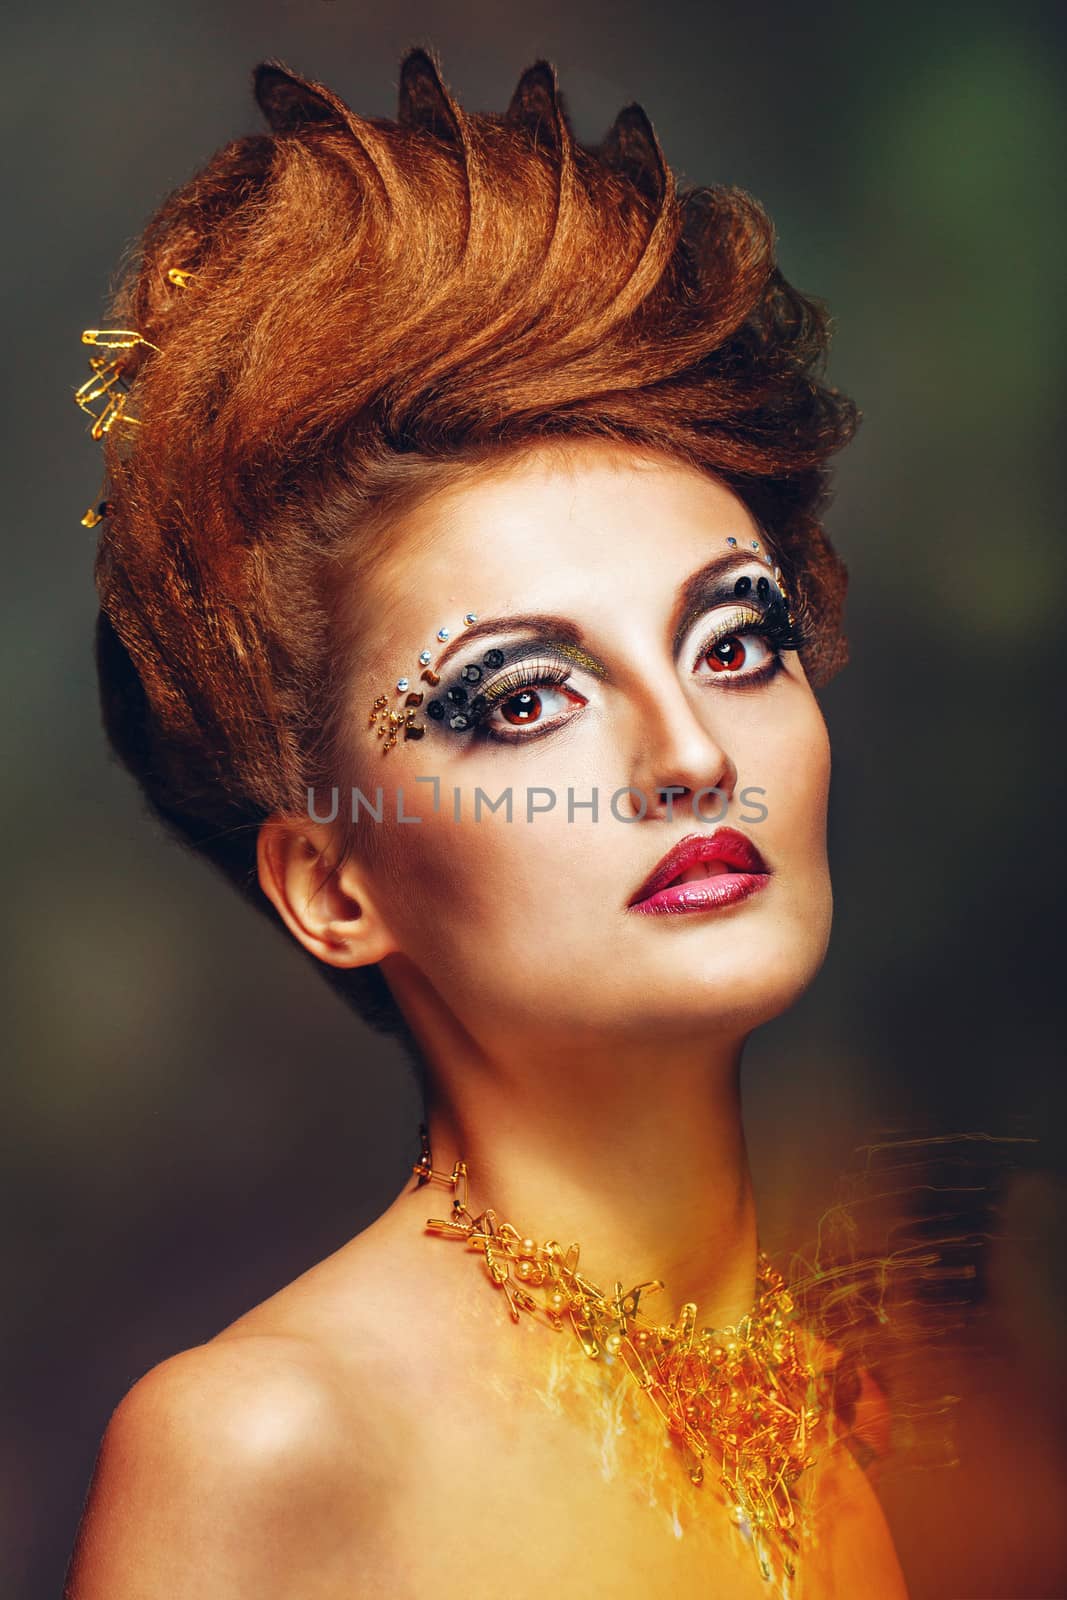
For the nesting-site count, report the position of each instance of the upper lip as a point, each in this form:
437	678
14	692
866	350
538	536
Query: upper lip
724	844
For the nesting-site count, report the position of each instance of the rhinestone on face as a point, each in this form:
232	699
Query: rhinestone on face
442	634
730	539
471	616
402	684
457	695
493	658
425	657
436	710
742	586
458	721
755	544
471	674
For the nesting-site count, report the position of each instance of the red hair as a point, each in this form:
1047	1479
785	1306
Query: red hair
376	307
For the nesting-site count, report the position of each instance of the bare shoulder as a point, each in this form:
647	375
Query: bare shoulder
226	1470
858	1548
262	1461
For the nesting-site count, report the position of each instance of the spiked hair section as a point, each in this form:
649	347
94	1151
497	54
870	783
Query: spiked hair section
341	313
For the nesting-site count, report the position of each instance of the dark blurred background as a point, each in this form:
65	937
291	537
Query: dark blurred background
192	1118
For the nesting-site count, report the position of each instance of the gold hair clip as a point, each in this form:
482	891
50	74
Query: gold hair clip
388	722
117	338
181	277
106	375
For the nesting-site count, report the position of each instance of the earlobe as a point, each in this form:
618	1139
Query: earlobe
325	902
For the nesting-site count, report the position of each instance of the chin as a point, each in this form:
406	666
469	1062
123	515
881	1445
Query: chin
737	982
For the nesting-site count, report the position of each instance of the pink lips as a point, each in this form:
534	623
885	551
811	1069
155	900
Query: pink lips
738	870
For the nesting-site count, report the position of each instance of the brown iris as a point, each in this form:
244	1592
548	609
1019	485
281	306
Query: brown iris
521	707
727	655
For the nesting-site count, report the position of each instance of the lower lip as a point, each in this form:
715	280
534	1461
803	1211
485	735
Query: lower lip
702	894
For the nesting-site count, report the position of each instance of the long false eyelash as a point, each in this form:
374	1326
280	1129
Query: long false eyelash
774	625
803	629
528	675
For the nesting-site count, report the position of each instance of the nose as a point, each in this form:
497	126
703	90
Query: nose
677	759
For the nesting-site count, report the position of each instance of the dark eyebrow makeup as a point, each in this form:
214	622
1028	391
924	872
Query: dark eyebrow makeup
540	627
544	648
712	587
701	591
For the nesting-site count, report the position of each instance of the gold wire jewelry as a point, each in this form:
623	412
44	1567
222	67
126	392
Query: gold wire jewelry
750	1393
388	722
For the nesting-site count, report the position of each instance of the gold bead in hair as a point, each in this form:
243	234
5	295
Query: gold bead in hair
96	514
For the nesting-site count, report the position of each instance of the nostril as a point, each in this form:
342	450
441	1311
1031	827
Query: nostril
667	793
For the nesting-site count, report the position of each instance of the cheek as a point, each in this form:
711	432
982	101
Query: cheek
465	894
795	764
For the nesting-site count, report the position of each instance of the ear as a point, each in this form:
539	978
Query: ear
328	906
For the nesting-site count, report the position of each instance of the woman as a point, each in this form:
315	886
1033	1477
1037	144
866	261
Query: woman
462	589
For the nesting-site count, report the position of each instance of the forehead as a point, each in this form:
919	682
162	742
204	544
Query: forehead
582	529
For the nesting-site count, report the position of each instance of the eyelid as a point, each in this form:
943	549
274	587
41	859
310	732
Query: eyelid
509	678
528	656
735	618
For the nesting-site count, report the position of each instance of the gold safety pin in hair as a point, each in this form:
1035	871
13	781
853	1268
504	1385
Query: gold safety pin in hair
117	339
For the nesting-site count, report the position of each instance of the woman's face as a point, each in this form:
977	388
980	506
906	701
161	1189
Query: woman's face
523	926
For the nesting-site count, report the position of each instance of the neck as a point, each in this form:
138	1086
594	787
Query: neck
638	1156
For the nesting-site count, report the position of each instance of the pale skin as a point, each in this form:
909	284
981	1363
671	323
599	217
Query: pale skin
380	1426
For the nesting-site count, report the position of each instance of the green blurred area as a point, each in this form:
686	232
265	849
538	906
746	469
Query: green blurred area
192	1119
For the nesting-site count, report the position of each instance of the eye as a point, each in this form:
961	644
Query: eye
533	706
740	647
530	699
738	652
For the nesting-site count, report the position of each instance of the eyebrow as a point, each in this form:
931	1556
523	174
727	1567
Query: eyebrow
693	598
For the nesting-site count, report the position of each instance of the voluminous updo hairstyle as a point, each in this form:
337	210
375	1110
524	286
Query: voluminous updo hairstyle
377	308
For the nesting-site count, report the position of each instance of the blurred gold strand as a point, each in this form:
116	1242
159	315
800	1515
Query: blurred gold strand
892	1281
